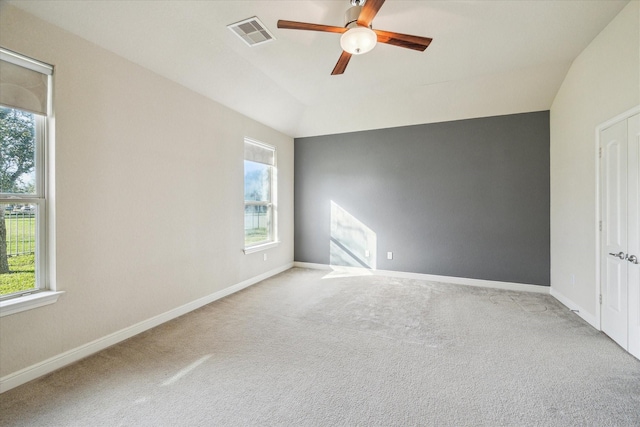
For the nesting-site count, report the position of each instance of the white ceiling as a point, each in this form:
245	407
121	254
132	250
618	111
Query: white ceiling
487	57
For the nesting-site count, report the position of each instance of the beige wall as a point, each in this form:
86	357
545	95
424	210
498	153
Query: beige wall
149	189
603	82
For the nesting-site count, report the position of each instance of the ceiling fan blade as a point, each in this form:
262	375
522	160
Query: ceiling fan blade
293	25
342	63
369	11
401	43
403	40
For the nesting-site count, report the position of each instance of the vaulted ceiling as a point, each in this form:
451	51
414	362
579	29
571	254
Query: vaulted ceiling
487	57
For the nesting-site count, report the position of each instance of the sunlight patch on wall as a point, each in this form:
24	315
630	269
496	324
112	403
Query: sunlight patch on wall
353	245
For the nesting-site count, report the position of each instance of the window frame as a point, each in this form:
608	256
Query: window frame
271	204
37	198
44	292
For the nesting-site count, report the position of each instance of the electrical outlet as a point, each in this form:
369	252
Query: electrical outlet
264	257
389	255
573	279
367	253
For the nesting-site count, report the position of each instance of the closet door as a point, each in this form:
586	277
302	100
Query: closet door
614	268
620	239
633	132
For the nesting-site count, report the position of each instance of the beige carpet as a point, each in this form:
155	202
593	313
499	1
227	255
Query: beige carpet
303	350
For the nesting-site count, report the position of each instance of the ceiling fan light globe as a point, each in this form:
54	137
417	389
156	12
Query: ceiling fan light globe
358	40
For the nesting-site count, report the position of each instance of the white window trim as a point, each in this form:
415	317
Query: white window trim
46	293
40	200
273	240
23	61
260	247
28	302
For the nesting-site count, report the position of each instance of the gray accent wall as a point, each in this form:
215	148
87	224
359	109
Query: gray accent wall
467	198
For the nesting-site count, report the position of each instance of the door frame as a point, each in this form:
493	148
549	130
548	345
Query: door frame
620	117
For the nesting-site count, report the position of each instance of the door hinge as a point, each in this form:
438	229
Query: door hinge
600	152
600	299
600	225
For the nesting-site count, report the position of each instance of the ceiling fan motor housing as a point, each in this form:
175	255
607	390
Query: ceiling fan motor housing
351	17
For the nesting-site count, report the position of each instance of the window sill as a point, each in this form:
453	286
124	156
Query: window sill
27	302
259	248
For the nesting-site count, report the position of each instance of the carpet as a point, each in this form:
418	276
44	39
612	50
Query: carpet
306	348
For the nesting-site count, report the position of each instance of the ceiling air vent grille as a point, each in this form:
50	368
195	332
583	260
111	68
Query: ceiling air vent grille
251	31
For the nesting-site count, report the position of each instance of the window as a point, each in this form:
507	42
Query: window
24	107
259	196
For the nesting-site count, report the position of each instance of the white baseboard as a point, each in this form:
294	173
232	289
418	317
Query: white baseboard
590	319
56	362
315	266
419	276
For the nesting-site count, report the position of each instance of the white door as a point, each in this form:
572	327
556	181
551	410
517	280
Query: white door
613	164
634	233
620	269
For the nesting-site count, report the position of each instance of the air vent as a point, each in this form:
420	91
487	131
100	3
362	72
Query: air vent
251	31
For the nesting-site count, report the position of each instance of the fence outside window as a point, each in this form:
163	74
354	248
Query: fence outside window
20	224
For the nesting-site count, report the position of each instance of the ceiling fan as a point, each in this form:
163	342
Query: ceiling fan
357	35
